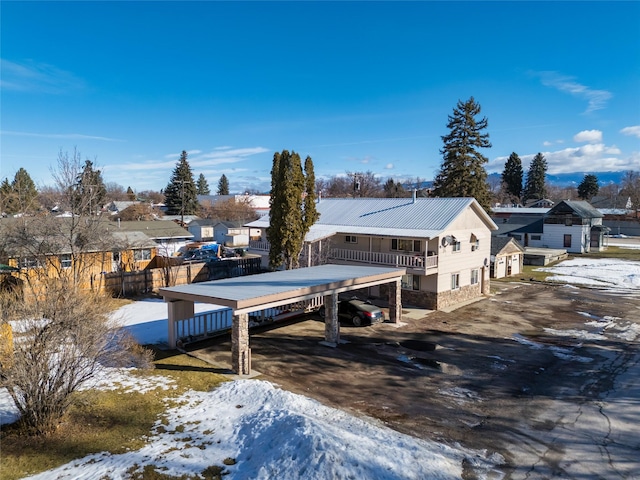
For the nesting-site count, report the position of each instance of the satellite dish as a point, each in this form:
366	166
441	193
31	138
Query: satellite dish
444	242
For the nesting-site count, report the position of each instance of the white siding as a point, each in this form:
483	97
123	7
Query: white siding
554	237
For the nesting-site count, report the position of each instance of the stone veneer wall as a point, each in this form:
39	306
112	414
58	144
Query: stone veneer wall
416	298
452	297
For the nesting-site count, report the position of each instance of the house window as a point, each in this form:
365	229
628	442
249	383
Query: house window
141	255
405	245
567	241
456	246
455	281
65	260
536	237
410	282
29	262
351	239
474	276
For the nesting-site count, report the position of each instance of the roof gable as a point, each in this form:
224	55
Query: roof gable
579	207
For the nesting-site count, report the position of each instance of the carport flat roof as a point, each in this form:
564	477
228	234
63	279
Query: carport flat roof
277	288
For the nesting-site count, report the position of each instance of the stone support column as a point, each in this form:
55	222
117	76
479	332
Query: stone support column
395	301
486	282
240	351
177	310
331	323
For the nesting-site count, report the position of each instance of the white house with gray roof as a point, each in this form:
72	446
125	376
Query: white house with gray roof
444	243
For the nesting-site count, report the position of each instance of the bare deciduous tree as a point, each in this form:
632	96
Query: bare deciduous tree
229	210
60	341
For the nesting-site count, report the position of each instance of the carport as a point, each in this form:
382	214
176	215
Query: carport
267	290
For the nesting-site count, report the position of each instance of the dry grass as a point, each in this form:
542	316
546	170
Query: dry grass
99	421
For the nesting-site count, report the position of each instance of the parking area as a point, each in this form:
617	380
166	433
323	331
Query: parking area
545	376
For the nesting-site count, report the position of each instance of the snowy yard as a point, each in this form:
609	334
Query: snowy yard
272	433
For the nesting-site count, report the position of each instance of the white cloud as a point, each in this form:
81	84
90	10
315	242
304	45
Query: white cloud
593	157
38	78
597	99
389	166
633	131
589	136
60	136
158	172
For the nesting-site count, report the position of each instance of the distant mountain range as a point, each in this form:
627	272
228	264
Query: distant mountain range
574	179
560	180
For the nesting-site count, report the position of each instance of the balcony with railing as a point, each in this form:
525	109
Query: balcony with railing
416	262
409	261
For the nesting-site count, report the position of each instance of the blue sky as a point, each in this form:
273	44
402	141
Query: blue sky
358	86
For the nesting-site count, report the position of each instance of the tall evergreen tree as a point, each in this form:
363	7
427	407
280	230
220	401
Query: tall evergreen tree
90	192
290	216
310	215
512	176
223	185
462	172
535	187
180	194
6	197
202	186
589	187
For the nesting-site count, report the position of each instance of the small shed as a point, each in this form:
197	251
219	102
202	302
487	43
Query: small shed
507	257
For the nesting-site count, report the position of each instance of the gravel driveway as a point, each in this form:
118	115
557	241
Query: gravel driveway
547	376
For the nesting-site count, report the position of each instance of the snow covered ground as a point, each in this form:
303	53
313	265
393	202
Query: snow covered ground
607	273
272	433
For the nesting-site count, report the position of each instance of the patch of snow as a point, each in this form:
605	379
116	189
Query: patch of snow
610	273
123	378
272	433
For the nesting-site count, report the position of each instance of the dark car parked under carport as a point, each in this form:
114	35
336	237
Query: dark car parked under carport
358	312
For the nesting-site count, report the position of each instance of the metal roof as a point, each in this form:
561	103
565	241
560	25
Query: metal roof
422	217
253	292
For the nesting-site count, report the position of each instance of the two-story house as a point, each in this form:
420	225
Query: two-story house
444	243
575	226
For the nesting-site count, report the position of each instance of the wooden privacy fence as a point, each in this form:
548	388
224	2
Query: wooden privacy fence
125	284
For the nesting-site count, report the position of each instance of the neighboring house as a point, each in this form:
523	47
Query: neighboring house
85	255
542	203
168	236
231	234
116	207
202	229
507	257
526	229
575	226
444	243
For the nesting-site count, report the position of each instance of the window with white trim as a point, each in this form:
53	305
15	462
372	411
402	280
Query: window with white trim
475	275
455	281
29	262
65	260
142	255
351	239
456	246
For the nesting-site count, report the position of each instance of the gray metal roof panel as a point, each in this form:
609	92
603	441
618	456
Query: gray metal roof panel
251	290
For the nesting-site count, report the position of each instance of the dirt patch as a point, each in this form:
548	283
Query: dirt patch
484	376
